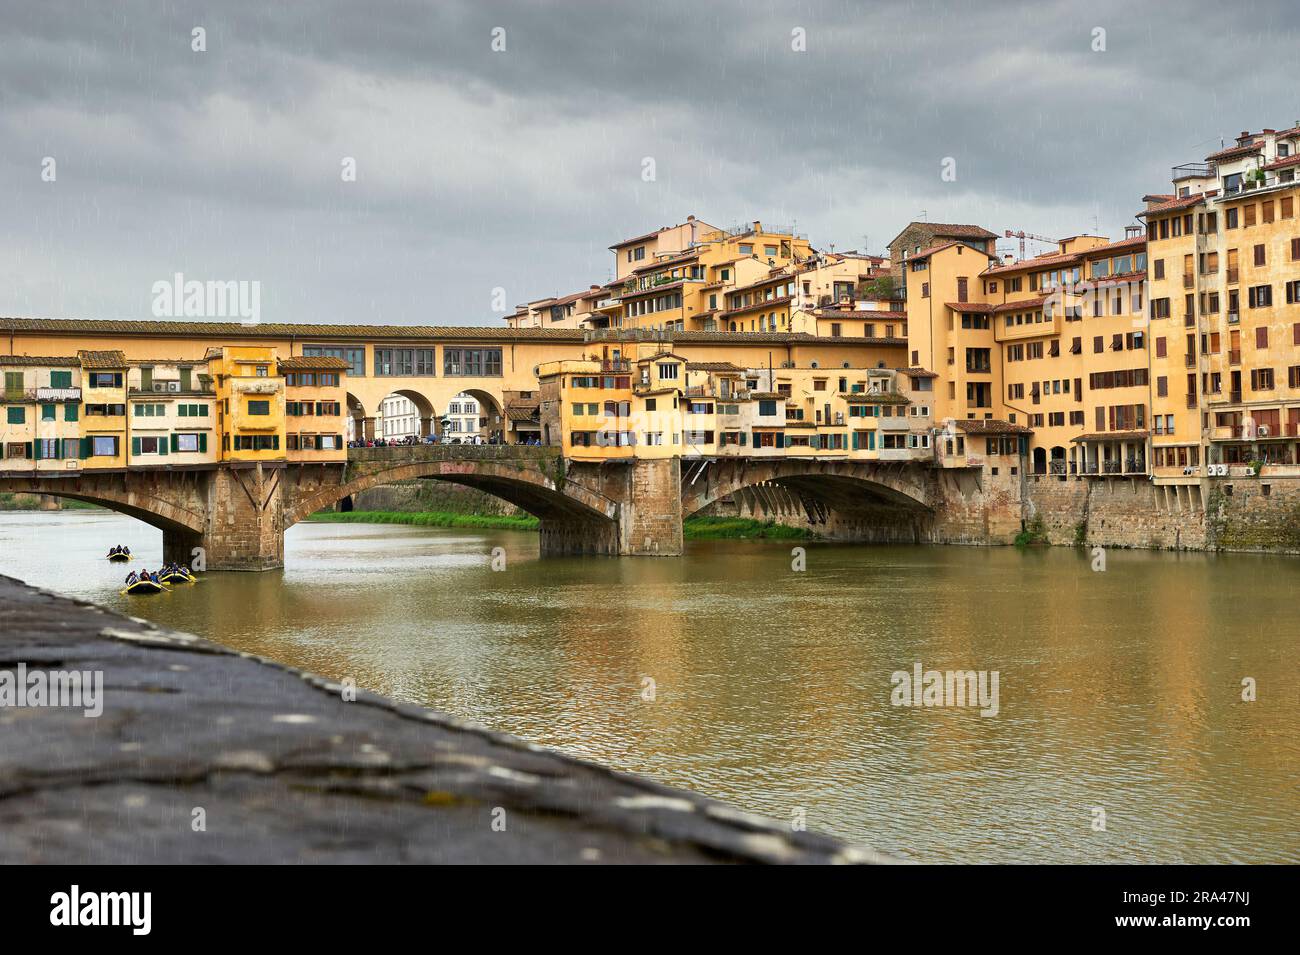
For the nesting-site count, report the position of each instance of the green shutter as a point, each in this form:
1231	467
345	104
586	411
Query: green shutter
37	447
183	411
85	448
71	412
162	444
175	443
203	411
135	446
203	442
27	446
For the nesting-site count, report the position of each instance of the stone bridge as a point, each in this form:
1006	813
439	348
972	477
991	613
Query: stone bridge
238	514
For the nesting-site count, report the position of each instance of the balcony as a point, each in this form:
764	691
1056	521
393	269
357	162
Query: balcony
56	394
615	365
1234	356
1234	276
1234	318
1191	401
1192	170
1189	281
1189	360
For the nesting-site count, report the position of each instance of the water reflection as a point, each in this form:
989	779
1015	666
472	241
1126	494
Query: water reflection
1119	690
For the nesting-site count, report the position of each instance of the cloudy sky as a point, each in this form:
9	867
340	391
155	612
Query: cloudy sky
479	168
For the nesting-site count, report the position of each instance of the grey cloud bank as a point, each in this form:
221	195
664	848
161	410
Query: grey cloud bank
479	169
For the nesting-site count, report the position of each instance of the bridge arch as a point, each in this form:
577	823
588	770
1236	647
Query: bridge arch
491	413
363	427
867	500
537	485
423	411
159	506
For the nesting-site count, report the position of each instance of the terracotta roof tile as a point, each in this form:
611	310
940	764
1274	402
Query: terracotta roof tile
314	363
1173	205
37	360
1233	152
1284	163
1019	306
108	358
1111	436
990	426
712	366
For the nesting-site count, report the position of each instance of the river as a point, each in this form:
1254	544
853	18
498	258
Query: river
771	687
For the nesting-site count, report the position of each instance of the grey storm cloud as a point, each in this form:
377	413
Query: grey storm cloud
479	170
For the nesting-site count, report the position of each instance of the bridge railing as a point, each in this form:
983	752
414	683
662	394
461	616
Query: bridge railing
453	452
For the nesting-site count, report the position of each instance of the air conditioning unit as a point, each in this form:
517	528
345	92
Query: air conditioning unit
173	386
159	386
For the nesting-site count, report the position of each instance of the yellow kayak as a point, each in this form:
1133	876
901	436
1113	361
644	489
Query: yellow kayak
144	587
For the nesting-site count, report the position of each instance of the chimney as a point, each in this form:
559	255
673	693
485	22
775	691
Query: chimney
758	226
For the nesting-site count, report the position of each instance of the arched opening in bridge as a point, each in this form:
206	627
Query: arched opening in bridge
491	426
834	505
406	415
1058	465
1040	460
577	516
360	426
179	527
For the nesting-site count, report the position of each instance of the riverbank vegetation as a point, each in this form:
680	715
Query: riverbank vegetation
13	501
740	528
524	522
694	528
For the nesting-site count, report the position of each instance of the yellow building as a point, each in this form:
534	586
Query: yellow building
315	405
103	410
171	414
1232	237
679	279
250	403
40	431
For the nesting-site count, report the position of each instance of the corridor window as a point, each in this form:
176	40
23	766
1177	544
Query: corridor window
405	362
355	357
259	407
471	362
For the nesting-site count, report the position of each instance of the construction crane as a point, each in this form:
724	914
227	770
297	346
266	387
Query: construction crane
1022	235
